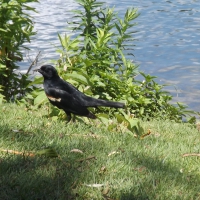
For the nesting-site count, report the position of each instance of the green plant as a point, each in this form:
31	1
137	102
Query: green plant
98	61
95	61
16	28
96	54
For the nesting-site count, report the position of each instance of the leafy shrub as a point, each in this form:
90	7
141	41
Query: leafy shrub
16	27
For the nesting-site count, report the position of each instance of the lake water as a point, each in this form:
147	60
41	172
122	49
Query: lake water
167	45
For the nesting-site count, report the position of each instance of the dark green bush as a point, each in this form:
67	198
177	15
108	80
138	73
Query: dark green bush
16	28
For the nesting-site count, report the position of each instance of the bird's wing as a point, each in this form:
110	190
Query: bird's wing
66	101
66	86
82	99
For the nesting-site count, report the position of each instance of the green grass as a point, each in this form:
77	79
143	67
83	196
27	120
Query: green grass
127	167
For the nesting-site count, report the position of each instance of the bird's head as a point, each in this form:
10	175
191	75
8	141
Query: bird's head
48	71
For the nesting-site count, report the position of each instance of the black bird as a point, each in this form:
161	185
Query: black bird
65	96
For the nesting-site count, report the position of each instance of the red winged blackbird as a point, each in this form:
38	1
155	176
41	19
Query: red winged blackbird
65	96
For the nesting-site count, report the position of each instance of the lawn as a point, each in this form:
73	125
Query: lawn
47	159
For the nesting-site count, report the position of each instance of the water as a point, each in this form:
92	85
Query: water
167	45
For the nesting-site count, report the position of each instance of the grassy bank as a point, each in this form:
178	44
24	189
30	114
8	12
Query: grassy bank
93	163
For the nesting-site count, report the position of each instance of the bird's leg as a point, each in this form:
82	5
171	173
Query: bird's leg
68	116
73	118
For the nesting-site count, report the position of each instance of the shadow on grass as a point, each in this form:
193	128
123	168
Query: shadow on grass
37	177
44	178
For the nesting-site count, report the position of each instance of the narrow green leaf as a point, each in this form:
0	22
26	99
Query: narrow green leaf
40	98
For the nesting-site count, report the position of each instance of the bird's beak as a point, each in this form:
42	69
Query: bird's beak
37	70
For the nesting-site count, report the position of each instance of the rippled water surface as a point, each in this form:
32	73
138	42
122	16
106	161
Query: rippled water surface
167	45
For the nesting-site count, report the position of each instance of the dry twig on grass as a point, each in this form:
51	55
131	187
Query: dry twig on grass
191	154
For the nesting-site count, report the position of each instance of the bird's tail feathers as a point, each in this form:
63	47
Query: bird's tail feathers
101	102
